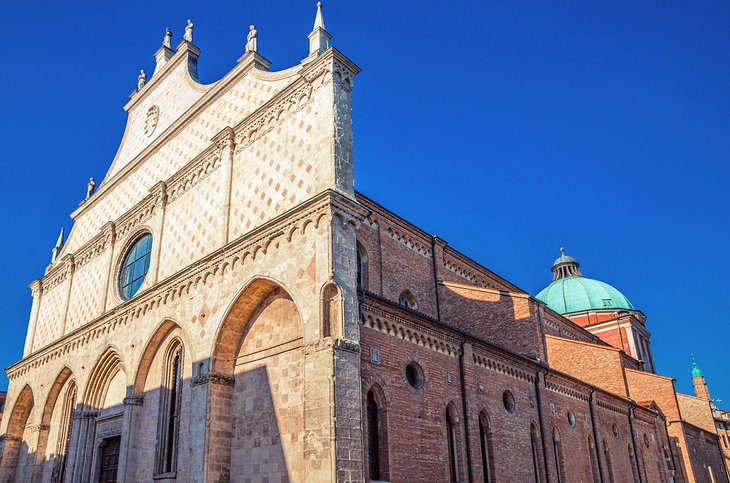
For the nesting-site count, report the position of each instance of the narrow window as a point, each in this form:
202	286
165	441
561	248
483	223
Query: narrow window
594	461
535	446
451	423
485	439
558	449
373	438
64	433
362	267
169	419
634	467
607	457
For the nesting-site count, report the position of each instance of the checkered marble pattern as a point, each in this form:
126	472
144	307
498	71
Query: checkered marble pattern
88	291
174	96
50	316
193	225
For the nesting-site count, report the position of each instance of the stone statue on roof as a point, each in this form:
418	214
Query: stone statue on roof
90	188
189	31
252	44
167	42
141	80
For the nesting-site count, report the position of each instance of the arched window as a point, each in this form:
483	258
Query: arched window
407	300
607	457
169	417
362	267
64	432
451	434
634	466
535	446
558	450
485	438
377	436
594	461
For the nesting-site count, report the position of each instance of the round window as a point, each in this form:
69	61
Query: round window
571	418
414	375
509	401
614	428
134	267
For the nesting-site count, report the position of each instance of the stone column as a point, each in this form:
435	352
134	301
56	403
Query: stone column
226	142
81	450
212	397
36	289
10	451
127	461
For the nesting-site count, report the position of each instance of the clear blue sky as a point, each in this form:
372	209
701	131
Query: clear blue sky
507	128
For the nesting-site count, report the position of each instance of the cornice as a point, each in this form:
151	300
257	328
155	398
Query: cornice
613	406
488	361
208	270
567	387
401	328
194	172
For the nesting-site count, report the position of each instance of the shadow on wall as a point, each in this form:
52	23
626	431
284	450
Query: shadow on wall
94	448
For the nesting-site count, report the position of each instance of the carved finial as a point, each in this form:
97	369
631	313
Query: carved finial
167	41
189	31
57	249
319	38
141	80
319	19
90	188
562	251
252	40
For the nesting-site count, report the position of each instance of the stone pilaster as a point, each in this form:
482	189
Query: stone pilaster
226	142
159	192
216	392
127	468
36	289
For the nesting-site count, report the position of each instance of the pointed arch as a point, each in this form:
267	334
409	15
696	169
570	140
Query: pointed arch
486	445
237	320
593	455
535	447
63	392
558	453
105	370
13	441
331	313
363	276
453	431
376	411
153	346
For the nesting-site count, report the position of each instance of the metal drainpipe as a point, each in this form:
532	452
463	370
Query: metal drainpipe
633	440
464	409
673	471
595	435
542	426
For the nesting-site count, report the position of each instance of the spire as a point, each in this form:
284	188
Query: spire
565	266
57	249
699	383
319	38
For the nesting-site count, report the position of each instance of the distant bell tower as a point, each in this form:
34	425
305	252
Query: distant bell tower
698	381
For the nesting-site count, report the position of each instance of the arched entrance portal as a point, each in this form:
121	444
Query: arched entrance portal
259	351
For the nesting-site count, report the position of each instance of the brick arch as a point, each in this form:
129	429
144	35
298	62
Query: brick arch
332	309
105	369
153	346
13	438
236	322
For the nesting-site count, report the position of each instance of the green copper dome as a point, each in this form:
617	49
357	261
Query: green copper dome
696	371
571	292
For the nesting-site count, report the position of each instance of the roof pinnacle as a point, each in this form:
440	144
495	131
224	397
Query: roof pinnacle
57	249
319	38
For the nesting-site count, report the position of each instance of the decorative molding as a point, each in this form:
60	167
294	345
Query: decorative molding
612	406
85	414
409	242
400	328
564	388
95	247
487	361
463	272
37	428
193	173
331	343
10	437
133	401
213	378
58	275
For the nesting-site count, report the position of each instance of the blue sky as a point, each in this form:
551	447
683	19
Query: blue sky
507	128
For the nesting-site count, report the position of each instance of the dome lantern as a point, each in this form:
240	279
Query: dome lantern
565	266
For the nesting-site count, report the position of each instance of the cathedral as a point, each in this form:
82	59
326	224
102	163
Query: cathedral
228	308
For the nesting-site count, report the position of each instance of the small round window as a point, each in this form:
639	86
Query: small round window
571	418
414	375
509	401
135	266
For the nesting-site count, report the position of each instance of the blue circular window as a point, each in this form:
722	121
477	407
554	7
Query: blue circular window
135	266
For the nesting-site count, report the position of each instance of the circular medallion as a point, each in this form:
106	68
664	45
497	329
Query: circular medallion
150	122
